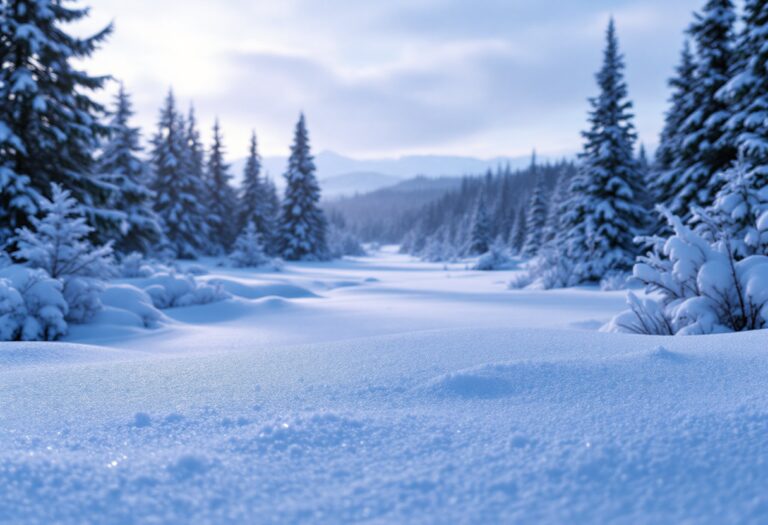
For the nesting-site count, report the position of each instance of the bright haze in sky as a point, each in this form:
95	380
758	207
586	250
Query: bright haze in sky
390	77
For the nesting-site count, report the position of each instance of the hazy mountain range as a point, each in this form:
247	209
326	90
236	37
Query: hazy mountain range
340	175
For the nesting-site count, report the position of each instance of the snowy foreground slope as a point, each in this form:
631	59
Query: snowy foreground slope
383	390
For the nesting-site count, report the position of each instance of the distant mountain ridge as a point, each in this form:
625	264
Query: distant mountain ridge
340	175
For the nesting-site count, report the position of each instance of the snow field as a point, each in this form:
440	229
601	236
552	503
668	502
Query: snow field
390	391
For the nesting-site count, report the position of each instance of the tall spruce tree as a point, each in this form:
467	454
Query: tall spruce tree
222	199
480	239
557	209
704	149
517	234
747	95
194	155
536	219
680	106
603	212
254	201
302	223
49	124
120	165
176	189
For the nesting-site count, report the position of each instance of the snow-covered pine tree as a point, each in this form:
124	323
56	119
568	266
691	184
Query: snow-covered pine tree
254	201
480	239
603	213
49	124
119	164
643	165
747	96
705	150
248	251
302	223
666	169
194	157
222	199
502	217
557	208
272	212
536	219
176	189
58	243
518	233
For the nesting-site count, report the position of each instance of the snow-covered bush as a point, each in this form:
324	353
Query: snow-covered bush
615	280
438	250
496	258
698	285
249	249
13	311
135	265
341	242
32	307
169	290
197	269
58	244
737	211
550	269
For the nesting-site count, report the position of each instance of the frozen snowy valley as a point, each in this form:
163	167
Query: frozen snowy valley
381	389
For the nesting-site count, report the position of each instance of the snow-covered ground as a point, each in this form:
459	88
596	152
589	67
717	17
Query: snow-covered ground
384	390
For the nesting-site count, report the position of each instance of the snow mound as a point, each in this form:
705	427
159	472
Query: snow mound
126	304
662	354
46	353
257	291
169	290
493	380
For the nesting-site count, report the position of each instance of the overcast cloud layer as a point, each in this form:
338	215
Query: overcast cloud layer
391	77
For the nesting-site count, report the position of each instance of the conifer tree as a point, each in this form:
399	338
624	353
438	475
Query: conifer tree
49	127
254	201
680	106
557	209
119	164
194	156
222	203
518	233
481	238
176	189
747	95
603	212
248	250
302	223
705	151
58	243
536	219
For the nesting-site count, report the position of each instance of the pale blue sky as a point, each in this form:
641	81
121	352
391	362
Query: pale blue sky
391	77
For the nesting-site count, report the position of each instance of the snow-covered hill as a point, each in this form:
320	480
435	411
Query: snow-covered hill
387	391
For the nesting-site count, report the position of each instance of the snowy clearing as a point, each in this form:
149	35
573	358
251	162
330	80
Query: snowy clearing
385	390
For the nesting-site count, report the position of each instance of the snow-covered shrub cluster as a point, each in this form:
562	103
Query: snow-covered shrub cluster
496	258
697	285
439	250
58	244
135	265
32	306
342	242
169	290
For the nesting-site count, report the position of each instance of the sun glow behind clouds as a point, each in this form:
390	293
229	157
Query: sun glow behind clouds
388	78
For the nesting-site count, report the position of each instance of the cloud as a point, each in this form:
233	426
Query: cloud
404	76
